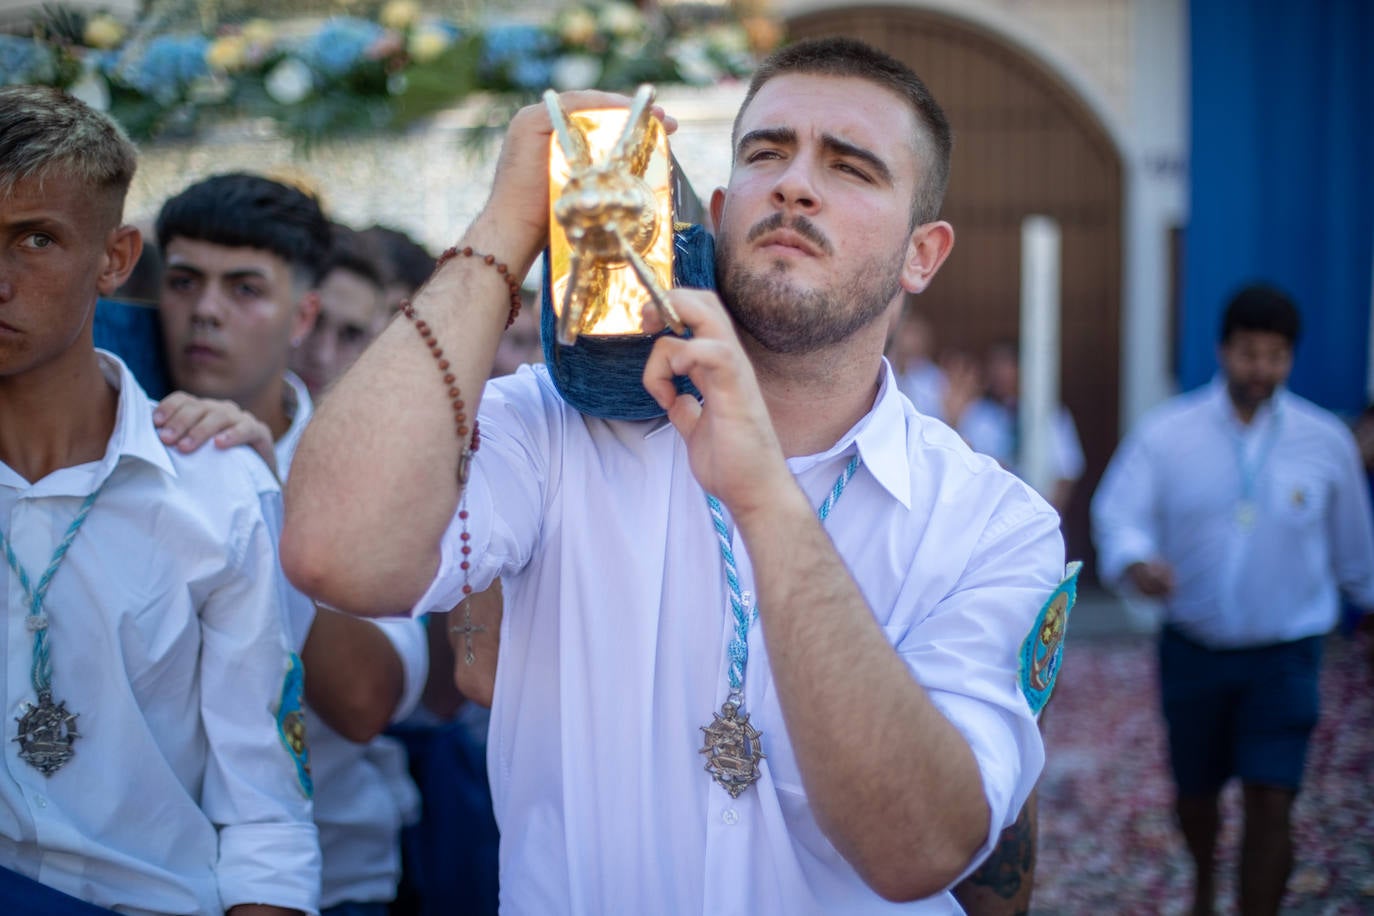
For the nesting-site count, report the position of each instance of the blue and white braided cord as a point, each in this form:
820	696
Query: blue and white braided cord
739	643
41	674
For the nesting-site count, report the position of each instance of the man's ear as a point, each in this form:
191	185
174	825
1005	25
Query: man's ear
717	210
123	246
303	321
930	244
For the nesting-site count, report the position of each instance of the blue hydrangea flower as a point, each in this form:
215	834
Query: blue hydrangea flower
103	62
450	29
23	60
339	45
533	73
167	66
521	52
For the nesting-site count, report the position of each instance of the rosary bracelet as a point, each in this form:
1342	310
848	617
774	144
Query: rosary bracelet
460	419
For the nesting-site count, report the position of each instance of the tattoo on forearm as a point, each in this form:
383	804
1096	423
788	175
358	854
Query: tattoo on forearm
1010	864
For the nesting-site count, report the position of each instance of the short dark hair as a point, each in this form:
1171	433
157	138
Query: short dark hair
44	130
242	210
837	56
405	260
356	253
1260	307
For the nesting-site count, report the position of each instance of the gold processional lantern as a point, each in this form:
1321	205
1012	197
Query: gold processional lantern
611	219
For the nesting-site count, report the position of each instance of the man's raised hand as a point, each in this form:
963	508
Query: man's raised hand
733	448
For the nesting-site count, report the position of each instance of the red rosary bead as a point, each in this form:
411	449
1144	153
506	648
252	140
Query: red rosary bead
512	283
460	417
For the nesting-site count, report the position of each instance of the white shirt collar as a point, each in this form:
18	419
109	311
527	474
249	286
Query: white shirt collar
134	432
880	437
299	407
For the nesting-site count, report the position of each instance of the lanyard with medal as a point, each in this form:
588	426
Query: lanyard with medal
47	729
733	746
1249	466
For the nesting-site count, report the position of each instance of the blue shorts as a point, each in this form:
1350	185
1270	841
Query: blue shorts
1238	712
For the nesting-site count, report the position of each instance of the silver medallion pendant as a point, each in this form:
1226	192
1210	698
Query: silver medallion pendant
46	733
733	749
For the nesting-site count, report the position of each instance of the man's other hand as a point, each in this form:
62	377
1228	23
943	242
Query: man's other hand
186	422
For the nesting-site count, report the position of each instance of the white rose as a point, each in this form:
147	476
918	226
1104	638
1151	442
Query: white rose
694	64
576	71
289	82
92	89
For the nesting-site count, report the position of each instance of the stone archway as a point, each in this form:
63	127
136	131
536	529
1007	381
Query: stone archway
1025	143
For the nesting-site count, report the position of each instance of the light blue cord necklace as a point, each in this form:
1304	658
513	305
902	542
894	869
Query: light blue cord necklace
1247	507
733	749
46	730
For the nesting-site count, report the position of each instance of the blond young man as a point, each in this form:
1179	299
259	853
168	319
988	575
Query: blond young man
154	762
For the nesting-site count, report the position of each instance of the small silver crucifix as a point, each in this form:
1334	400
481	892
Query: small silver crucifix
467	629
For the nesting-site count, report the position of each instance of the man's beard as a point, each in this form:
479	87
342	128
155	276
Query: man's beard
1249	396
784	319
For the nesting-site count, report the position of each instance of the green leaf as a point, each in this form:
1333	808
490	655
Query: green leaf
439	83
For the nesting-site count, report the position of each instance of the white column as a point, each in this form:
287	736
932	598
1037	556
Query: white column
1040	267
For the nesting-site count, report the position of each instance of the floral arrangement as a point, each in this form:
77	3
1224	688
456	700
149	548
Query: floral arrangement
327	76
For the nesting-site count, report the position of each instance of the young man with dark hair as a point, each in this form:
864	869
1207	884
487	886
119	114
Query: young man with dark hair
652	749
408	264
351	295
1240	506
243	254
154	761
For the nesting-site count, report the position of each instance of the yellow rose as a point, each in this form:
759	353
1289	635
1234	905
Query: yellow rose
258	33
103	31
621	19
399	14
227	53
427	44
579	27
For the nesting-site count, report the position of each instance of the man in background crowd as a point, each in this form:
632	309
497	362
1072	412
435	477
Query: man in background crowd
242	257
1242	507
352	310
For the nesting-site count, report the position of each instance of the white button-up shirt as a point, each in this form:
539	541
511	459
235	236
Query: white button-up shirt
167	638
1245	575
363	792
613	650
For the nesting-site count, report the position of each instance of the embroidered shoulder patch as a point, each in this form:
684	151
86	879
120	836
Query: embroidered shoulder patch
291	723
1043	648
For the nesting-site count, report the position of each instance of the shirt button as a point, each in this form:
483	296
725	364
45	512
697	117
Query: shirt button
730	817
41	802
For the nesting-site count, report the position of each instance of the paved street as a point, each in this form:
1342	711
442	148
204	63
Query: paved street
1107	840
